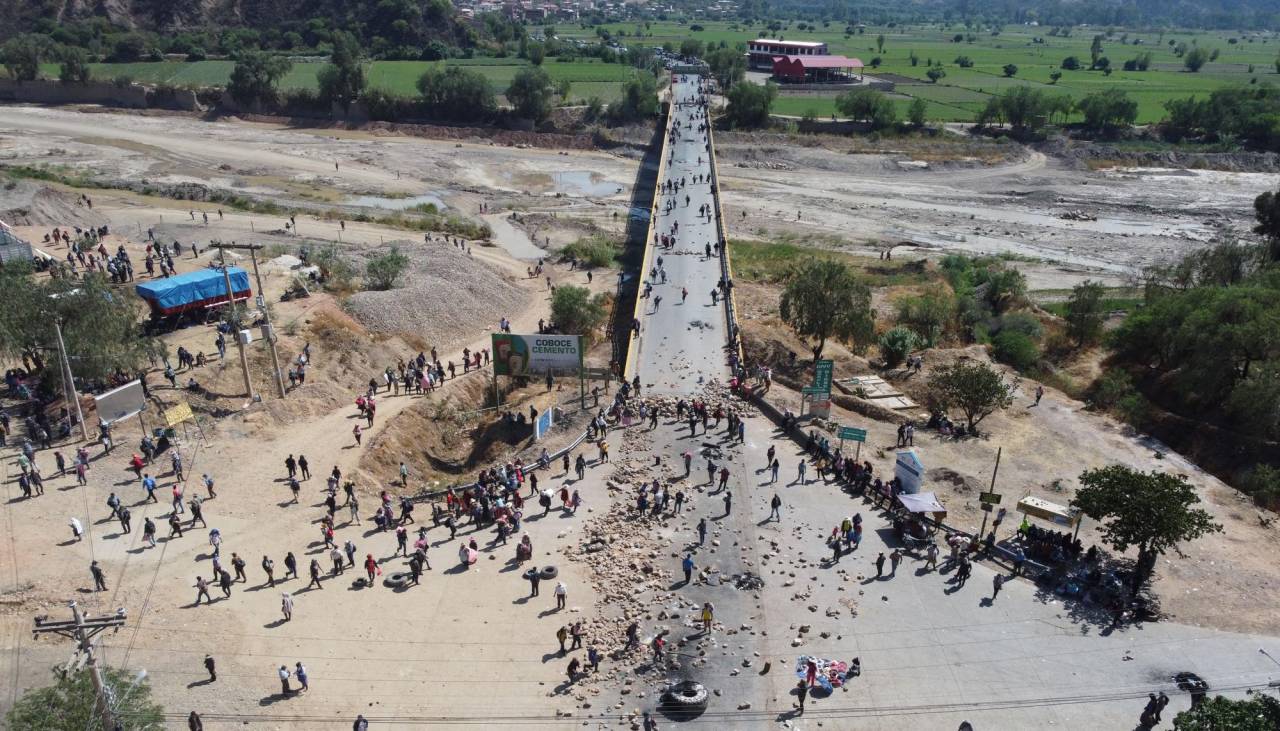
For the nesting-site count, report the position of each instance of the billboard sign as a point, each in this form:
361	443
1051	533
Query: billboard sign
522	355
121	403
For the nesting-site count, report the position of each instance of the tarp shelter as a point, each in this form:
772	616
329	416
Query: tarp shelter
923	502
909	471
193	291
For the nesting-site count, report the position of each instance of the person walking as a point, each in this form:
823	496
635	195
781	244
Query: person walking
800	469
290	566
895	558
931	557
99	578
76	528
202	590
301	673
708	614
702	531
238	564
224	582
286	605
880	565
371	567
269	568
209	666
802	692
315	575
996	584
194	722
562	635
775	506
562	594
728	502
303	467
687	565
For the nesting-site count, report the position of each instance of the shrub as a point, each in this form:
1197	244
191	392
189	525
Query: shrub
1019	322
1114	386
1262	483
896	345
594	251
382	271
574	311
1016	349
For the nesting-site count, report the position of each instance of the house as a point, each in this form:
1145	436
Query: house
762	51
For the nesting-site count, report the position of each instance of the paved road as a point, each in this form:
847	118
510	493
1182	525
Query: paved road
681	344
933	654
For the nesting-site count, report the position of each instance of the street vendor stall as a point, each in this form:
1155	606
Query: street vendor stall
917	517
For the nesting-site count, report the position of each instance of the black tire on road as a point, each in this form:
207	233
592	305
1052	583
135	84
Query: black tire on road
397	579
688	694
548	573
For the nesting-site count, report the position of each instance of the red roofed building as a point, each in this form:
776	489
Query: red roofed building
816	69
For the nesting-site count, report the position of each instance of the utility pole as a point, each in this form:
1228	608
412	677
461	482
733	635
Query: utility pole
83	631
266	316
231	302
70	380
983	530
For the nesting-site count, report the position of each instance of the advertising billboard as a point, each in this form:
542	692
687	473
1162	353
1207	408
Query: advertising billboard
522	355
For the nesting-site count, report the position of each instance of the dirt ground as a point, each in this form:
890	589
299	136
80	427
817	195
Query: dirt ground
1044	449
390	652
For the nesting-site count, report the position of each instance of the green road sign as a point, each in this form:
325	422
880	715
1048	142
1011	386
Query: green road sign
853	434
989	498
822	375
822	393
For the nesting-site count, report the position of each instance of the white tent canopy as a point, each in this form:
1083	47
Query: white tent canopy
921	502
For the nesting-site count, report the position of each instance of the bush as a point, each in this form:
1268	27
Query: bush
196	54
594	251
1016	349
1262	483
382	271
575	312
1113	387
1071	63
896	345
1019	322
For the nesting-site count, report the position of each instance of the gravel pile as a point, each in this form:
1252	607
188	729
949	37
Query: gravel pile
445	296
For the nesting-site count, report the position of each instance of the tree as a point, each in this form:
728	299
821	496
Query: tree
342	81
749	104
824	299
1095	51
73	65
880	43
21	58
575	311
927	314
531	93
916	112
382	271
691	48
1266	209
935	73
639	99
896	344
1257	713
975	388
70	704
1195	59
964	62
536	53
1071	63
456	93
728	66
1054	76
254	78
867	105
99	326
1009	70
1085	313
1153	511
1107	109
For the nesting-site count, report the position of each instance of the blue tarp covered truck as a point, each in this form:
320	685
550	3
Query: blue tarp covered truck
193	291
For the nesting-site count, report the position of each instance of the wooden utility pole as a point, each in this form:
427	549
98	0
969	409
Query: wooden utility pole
231	302
266	316
70	380
83	631
983	530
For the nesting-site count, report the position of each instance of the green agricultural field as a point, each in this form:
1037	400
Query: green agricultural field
964	91
587	78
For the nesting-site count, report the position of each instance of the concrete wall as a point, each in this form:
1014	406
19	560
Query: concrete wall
132	96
